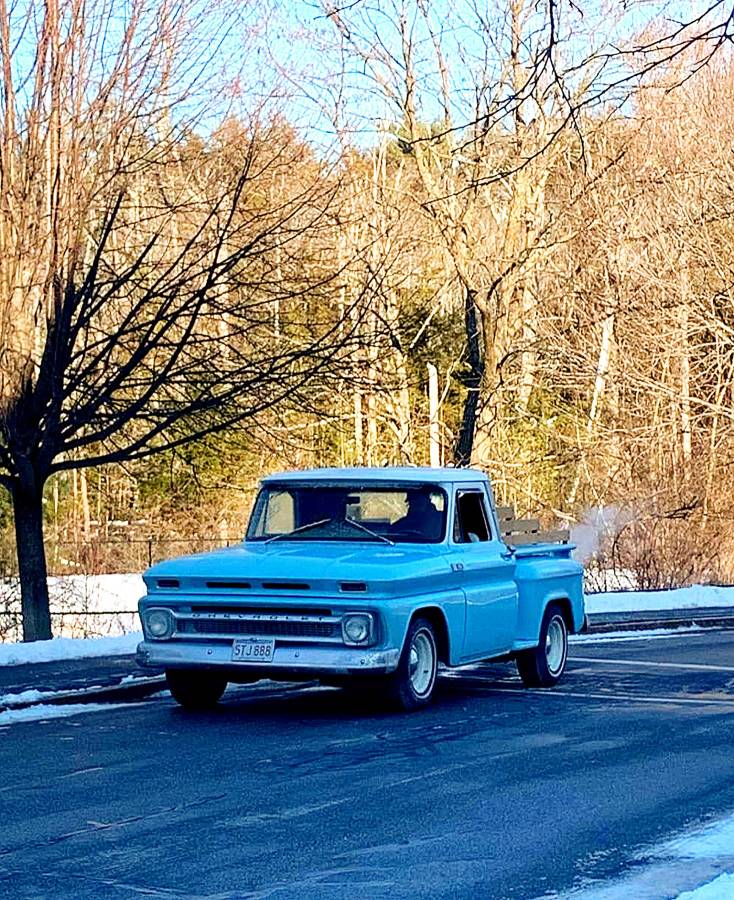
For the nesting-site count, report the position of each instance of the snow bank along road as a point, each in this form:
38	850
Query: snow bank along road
495	792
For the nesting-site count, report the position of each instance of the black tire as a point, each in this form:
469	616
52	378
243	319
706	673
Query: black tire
195	689
404	687
543	666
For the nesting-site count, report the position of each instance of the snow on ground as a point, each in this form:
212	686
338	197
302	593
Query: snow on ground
23	697
721	888
81	605
68	648
43	712
710	842
697	865
713	843
616	637
678	598
101	593
33	696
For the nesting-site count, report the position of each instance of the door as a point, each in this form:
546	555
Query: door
486	570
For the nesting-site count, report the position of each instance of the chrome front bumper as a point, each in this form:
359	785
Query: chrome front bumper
290	658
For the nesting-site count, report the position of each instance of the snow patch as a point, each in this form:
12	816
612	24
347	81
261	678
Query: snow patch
721	888
33	696
711	842
43	712
697	865
101	593
82	605
30	696
616	637
68	648
694	597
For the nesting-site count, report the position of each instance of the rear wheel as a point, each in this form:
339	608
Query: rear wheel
411	685
542	666
195	689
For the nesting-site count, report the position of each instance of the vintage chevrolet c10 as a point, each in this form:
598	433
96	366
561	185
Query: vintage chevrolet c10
364	577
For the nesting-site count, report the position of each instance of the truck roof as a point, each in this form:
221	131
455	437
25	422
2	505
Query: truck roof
418	474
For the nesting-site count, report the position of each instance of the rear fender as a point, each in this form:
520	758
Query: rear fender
535	600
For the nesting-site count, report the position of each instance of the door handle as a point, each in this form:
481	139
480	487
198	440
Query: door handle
457	567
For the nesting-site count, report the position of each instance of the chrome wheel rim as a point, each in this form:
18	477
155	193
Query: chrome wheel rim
555	645
422	663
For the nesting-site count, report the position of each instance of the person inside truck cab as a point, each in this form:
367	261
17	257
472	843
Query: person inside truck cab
421	518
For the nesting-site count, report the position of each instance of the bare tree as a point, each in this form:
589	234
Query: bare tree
489	102
140	263
483	120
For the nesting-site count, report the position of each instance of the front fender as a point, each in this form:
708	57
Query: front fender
447	610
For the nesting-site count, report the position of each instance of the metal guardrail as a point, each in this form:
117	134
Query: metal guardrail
643	620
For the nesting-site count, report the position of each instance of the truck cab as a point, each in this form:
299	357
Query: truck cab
365	576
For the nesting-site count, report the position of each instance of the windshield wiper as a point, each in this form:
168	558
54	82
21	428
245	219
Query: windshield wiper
285	534
369	531
359	525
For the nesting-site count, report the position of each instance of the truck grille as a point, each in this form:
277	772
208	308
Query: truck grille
287	627
268	629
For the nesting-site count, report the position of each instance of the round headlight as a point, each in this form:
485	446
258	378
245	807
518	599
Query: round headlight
159	623
357	628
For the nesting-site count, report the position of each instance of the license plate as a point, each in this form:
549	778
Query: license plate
253	650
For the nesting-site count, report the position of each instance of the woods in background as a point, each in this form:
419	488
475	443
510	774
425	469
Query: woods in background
525	265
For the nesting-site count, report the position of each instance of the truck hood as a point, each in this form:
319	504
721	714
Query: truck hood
321	565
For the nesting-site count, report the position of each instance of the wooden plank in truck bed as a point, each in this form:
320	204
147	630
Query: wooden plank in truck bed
541	537
521	532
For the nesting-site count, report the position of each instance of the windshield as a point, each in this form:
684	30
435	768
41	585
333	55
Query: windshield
414	514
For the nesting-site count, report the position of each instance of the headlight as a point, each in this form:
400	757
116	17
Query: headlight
159	623
357	628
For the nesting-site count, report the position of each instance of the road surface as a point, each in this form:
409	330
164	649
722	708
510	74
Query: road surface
495	792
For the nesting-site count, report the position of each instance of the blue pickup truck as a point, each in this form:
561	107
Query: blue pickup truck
362	577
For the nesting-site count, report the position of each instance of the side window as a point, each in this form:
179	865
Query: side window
470	523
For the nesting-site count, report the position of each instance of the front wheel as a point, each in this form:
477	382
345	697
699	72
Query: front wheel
542	666
195	689
411	685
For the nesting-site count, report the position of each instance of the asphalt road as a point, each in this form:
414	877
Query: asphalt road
494	792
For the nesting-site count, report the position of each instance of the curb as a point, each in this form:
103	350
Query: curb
141	687
130	690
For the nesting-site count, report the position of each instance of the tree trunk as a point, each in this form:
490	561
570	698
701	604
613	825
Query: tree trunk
434	426
28	515
358	436
86	514
685	386
528	357
600	385
473	381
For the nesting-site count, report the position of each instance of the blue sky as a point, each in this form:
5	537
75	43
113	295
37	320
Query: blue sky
300	60
287	56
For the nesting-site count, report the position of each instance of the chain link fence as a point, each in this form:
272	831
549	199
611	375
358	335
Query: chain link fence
116	555
94	585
